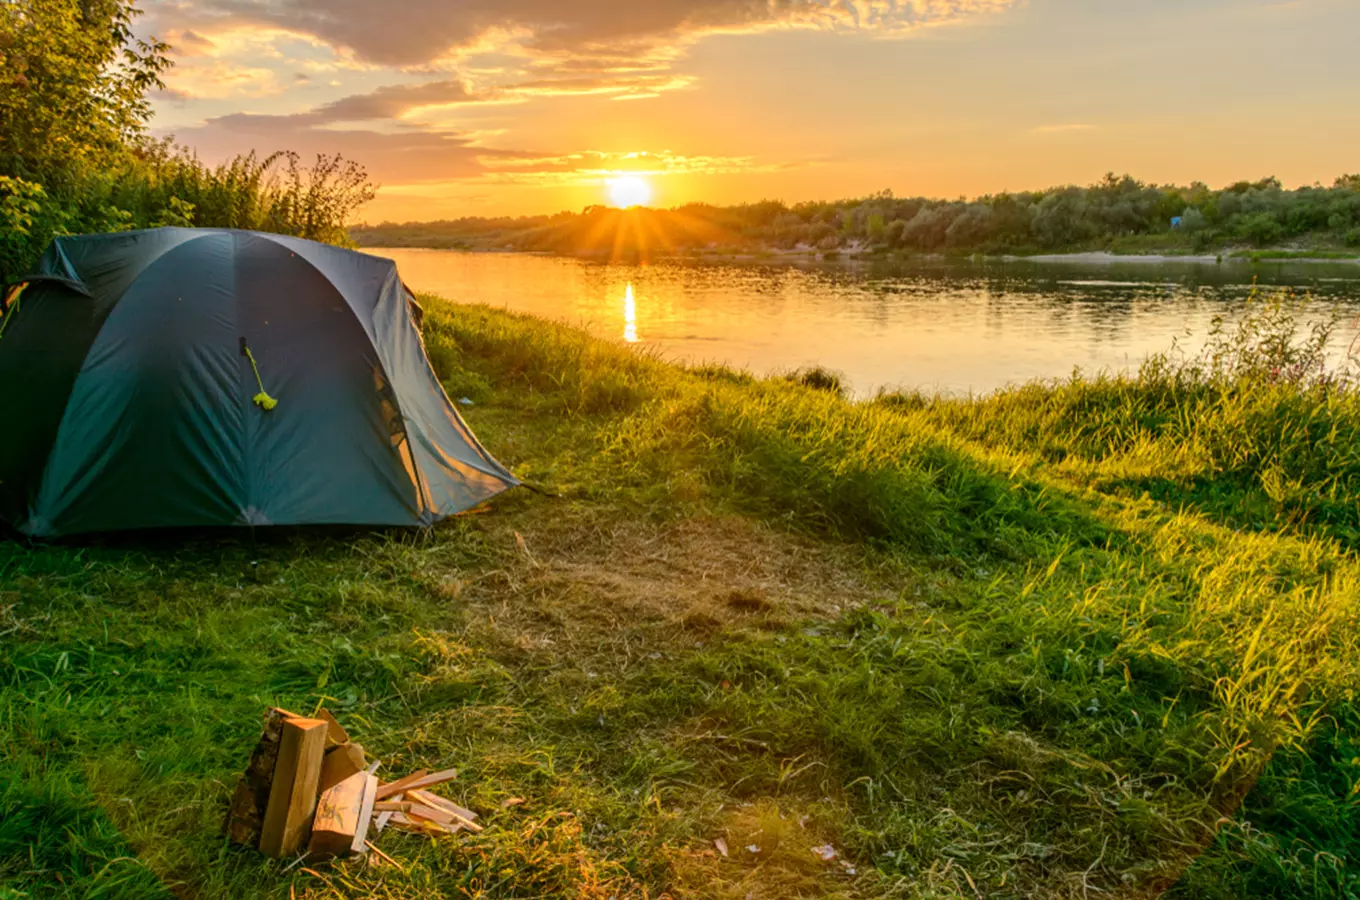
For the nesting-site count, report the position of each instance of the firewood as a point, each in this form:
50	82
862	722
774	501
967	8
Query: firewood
416	780
245	817
396	787
340	763
335	732
365	813
339	814
442	814
432	799
434	814
391	805
292	795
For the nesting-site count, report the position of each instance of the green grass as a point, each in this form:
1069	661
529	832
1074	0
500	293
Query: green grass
1076	638
1267	255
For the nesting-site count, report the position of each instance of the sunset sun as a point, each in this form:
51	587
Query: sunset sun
629	190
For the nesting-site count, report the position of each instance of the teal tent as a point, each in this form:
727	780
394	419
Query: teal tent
200	377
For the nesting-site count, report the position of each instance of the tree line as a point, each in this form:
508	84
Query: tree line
1118	213
76	155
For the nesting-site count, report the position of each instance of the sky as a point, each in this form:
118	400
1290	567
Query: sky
511	107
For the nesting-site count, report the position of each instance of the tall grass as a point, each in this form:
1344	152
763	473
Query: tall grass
1255	429
158	184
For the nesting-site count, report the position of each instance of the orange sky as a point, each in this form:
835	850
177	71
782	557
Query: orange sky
491	107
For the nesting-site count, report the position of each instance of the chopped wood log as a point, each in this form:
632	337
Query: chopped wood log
396	787
292	795
245	816
335	732
339	814
340	763
391	806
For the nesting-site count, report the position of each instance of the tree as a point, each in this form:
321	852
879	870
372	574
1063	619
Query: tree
875	228
74	86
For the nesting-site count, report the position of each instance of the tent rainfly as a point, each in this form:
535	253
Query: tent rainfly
204	377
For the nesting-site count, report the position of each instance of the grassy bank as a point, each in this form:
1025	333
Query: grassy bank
1095	638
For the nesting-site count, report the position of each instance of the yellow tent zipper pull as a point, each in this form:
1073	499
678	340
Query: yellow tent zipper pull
262	399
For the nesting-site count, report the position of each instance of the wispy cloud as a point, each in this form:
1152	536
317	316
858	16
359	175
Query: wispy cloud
419	31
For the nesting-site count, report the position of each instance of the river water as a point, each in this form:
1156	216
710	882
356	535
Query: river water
954	328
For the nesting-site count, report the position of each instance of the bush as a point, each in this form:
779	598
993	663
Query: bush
820	379
1261	229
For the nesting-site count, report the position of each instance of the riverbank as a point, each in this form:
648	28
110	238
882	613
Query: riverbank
1251	257
857	254
1093	637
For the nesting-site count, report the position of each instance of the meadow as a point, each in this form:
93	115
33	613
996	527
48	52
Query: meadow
1098	637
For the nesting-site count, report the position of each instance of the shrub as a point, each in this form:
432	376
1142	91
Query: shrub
820	379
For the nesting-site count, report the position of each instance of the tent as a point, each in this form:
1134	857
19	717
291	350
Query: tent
207	377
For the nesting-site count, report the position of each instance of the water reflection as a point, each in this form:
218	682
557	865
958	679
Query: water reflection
629	315
951	328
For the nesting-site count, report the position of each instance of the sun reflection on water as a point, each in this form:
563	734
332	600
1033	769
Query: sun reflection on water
629	316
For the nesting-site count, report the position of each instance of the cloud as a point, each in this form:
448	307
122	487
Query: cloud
186	43
394	101
406	156
212	78
416	32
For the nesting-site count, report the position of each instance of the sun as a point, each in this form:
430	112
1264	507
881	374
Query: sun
629	190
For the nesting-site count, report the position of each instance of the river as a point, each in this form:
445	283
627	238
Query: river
954	328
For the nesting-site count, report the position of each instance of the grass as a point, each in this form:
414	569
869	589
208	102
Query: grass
1091	637
1267	255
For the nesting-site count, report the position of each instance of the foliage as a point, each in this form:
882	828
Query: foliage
1114	214
75	156
74	88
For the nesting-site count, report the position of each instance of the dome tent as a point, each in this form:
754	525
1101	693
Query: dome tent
206	377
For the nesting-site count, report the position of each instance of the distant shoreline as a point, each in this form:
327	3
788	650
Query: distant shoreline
1104	257
1085	257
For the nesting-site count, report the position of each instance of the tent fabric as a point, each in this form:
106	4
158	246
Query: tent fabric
127	390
